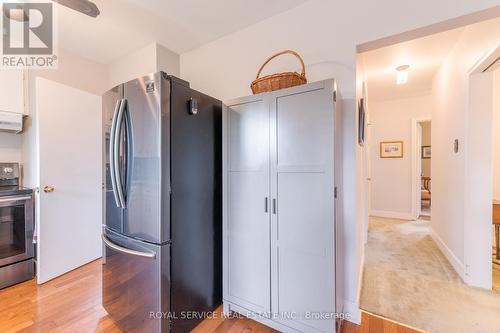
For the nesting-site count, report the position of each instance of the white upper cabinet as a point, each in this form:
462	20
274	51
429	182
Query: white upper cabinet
12	90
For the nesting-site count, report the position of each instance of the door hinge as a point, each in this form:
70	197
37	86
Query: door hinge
335	192
335	95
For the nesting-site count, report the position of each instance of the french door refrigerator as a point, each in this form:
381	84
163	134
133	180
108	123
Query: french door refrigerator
162	237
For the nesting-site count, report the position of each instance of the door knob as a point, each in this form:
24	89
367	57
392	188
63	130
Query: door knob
48	189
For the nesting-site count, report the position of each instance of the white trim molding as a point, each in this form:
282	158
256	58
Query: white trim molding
478	171
391	215
352	308
454	261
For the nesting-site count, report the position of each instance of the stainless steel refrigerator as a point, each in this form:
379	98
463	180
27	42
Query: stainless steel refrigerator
162	237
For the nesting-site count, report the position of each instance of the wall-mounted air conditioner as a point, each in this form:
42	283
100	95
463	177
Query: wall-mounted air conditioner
11	122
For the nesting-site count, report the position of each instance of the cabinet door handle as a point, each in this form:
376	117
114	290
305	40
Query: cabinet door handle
274	206
266	204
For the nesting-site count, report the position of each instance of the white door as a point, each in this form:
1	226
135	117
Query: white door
69	218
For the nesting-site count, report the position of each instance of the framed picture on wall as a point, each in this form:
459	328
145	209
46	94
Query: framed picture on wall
361	122
426	151
391	149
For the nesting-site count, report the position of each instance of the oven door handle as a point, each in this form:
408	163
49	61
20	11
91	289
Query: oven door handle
12	199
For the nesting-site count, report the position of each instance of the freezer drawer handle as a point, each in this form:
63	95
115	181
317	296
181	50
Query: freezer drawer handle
122	249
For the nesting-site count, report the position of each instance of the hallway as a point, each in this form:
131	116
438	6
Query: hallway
406	278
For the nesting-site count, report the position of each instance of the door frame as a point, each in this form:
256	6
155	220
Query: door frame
478	187
416	164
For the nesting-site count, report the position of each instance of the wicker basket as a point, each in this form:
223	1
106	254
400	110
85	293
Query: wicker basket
279	80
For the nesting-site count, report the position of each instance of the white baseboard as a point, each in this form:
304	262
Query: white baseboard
454	261
391	215
352	310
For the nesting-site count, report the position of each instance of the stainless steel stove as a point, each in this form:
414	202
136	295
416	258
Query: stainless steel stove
16	228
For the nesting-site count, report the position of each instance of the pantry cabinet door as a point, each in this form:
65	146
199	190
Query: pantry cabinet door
246	205
303	253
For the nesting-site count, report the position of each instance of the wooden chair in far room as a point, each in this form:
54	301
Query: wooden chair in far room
496	223
426	190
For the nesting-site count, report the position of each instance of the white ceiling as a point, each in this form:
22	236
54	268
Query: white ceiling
180	25
424	55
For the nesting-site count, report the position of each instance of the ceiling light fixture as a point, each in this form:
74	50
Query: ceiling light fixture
83	6
402	74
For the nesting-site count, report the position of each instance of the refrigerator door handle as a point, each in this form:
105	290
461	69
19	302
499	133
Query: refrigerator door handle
112	139
116	247
116	157
129	151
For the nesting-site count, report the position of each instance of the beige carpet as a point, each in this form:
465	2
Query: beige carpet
406	278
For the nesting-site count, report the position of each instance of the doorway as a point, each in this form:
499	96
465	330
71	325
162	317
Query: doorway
422	169
400	90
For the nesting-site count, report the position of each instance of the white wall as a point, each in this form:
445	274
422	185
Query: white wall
149	59
325	33
391	184
77	72
449	122
133	65
496	137
167	61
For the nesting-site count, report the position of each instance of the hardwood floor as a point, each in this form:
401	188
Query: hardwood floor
72	303
375	324
69	303
370	324
235	324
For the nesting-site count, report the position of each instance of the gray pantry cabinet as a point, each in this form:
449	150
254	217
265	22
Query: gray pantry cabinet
279	244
